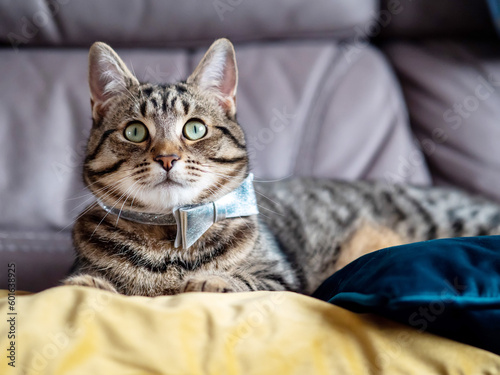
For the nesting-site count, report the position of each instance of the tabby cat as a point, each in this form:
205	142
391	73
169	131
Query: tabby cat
153	148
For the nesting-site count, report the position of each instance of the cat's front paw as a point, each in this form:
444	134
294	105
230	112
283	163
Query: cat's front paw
90	281
214	284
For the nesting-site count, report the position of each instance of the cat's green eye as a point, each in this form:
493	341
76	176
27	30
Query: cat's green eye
136	132
194	130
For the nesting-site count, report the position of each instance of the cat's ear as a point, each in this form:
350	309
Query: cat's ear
108	76
217	73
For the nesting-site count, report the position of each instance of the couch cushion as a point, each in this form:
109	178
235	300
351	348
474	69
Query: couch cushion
450	287
453	90
176	23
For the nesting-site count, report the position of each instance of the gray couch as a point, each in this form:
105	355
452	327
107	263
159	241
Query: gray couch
418	104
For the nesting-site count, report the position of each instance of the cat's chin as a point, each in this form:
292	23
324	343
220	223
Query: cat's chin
168	183
166	196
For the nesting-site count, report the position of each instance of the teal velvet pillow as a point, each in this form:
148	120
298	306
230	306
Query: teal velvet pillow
449	287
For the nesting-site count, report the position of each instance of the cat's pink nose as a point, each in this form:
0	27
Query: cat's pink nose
167	161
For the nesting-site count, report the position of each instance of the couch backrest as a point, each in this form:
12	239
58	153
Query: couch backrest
187	23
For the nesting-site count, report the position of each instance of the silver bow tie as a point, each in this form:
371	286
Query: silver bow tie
194	220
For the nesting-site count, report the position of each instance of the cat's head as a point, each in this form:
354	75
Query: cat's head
155	147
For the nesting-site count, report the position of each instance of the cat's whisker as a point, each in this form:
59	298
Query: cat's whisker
219	189
248	226
276	203
221	175
78	217
214	192
217	167
135	196
274	212
276	180
227	177
98	181
105	188
88	209
91	195
218	173
107	213
211	167
125	201
113	188
255	180
268	217
108	190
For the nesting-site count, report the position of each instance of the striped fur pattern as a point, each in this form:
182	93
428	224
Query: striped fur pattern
307	229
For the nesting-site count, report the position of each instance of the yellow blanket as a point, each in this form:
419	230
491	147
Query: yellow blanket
75	330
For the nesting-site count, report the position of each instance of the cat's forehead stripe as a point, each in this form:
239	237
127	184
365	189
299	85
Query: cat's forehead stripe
147	91
186	106
143	108
164	105
154	103
180	88
172	102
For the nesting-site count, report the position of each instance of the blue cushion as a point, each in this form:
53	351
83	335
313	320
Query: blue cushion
449	287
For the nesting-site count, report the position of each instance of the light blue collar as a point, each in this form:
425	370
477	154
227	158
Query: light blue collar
194	220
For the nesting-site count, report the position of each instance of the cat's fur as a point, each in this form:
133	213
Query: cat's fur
307	230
